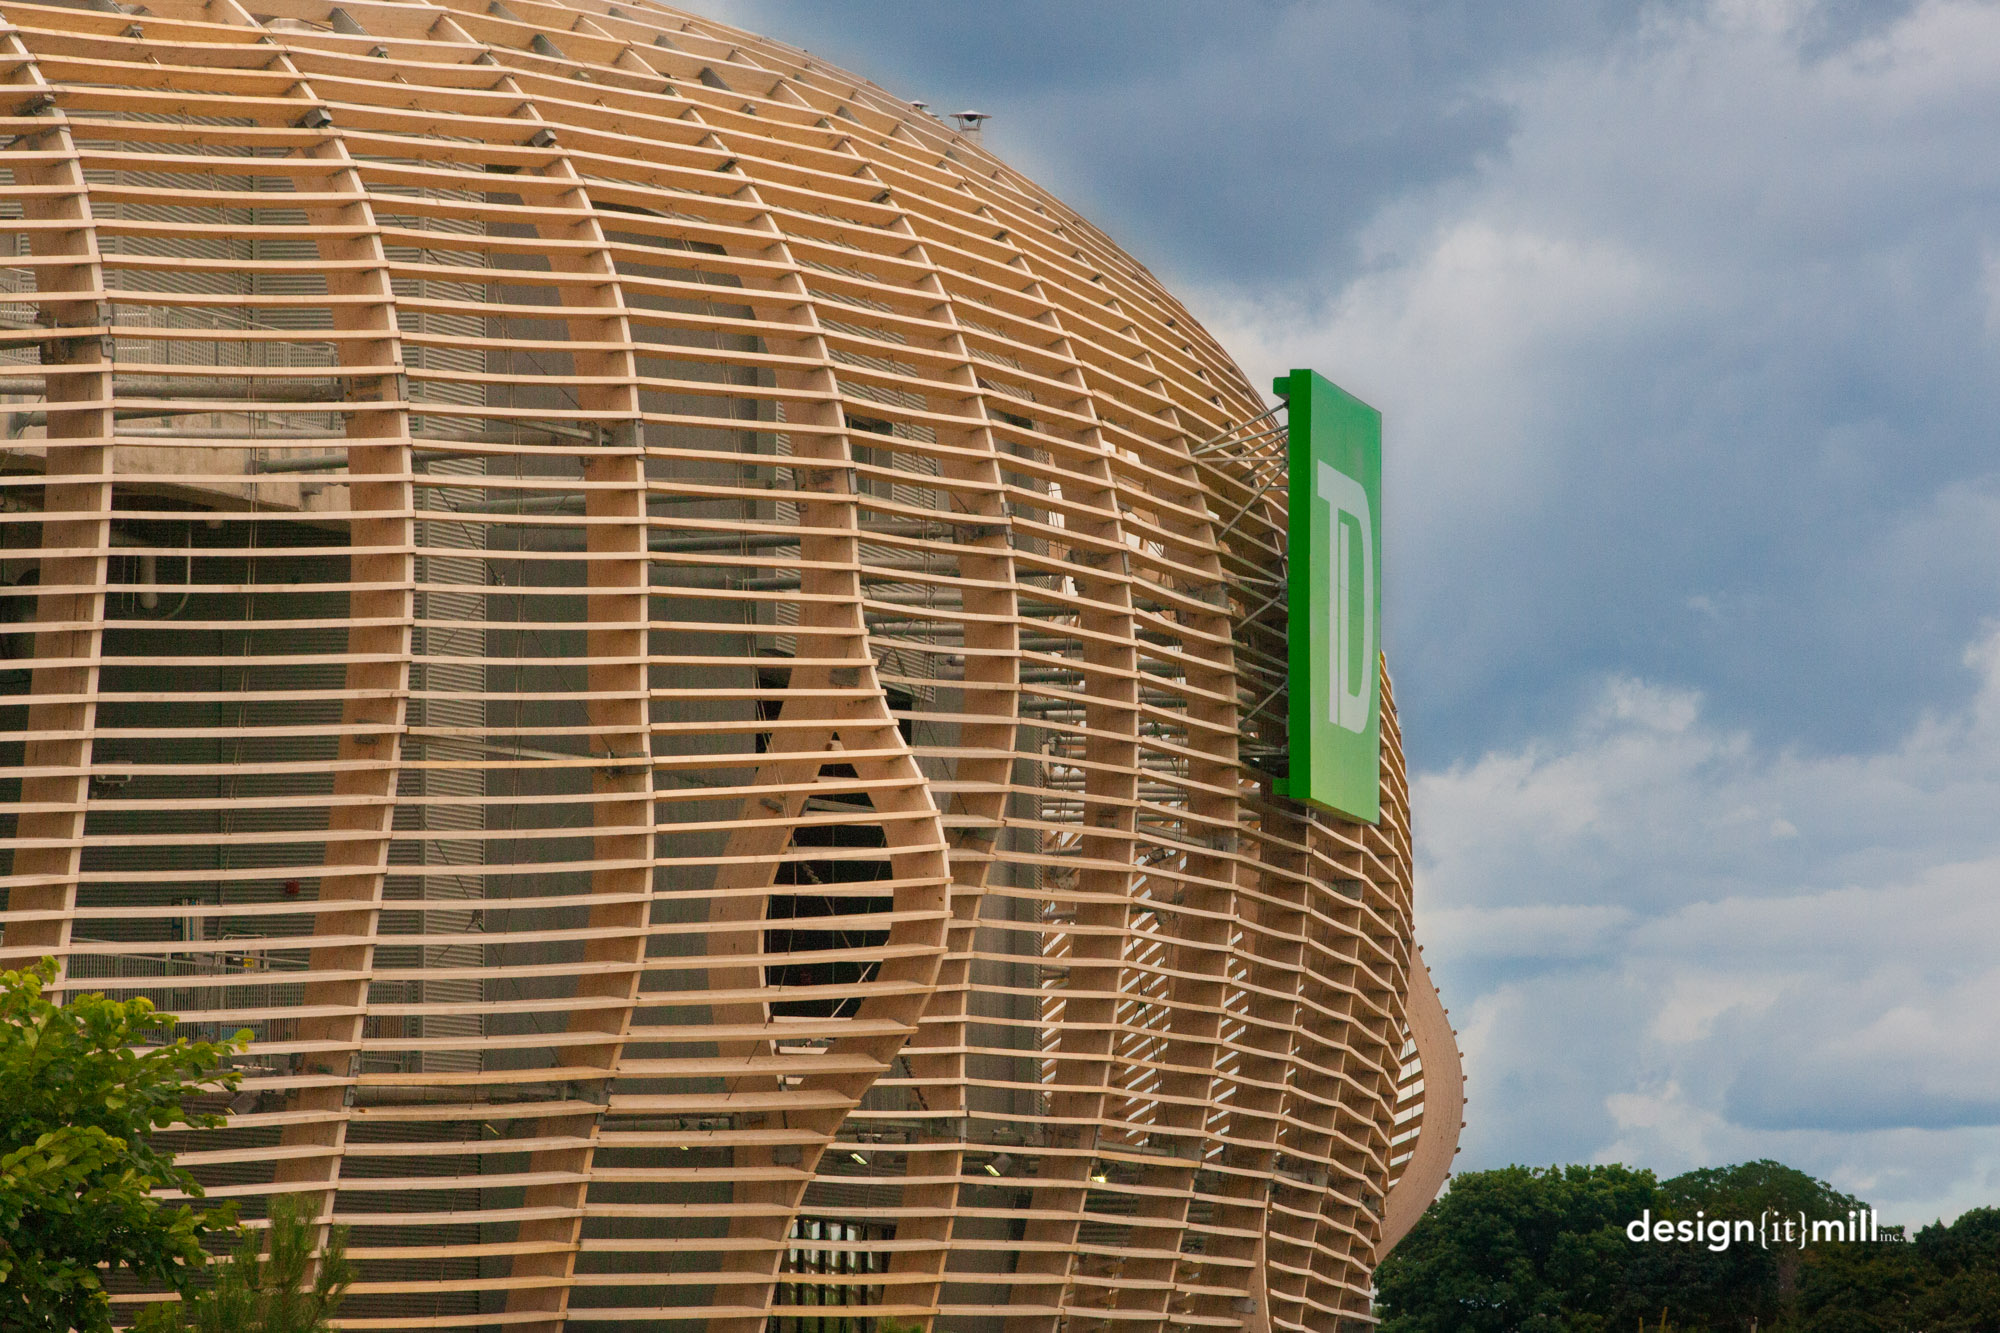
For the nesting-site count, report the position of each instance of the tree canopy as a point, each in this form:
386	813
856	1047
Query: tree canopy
82	1086
1546	1250
1518	1250
1947	1280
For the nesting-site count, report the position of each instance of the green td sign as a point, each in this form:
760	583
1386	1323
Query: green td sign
1336	598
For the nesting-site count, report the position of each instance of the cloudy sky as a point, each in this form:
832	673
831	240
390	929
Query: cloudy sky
1685	322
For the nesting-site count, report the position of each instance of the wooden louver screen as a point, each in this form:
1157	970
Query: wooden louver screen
657	625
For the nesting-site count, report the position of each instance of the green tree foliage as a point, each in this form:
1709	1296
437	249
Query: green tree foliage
1541	1251
282	1292
78	1099
1518	1250
1964	1296
1947	1280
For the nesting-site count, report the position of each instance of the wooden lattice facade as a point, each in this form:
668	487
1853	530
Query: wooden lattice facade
696	659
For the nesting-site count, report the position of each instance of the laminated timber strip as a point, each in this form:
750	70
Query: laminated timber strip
674	638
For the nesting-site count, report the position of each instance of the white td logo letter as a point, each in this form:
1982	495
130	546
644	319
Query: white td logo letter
1350	688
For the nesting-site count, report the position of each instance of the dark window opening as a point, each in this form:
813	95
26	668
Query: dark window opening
819	899
871	456
772	681
814	917
824	1248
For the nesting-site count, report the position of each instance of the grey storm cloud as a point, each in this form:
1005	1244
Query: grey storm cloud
1770	239
1685	322
1681	382
1668	944
1243	143
1884	1095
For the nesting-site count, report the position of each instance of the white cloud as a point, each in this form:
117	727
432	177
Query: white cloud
1653	977
1459	344
1698	369
1696	999
1541	930
1662	1117
1688	176
1989	273
1720	318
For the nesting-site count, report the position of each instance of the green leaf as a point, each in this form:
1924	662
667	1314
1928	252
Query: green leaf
77	1166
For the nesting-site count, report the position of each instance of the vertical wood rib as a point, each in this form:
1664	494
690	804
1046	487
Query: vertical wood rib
988	733
834	628
75	536
1107	847
381	570
1199	956
621	785
1443	1101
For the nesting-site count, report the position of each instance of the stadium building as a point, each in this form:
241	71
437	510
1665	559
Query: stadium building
704	666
